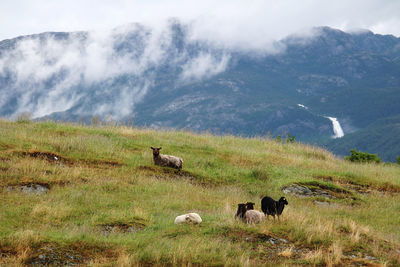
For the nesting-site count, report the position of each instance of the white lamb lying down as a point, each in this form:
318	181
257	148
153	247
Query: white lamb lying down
192	217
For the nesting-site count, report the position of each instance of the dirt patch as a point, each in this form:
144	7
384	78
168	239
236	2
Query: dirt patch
44	155
146	168
169	173
240	235
269	247
99	163
72	255
29	188
109	228
388	188
361	188
359	259
53	257
51	254
57	159
7	252
48	156
4	159
4	169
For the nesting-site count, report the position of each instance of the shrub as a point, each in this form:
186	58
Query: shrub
398	160
290	139
358	156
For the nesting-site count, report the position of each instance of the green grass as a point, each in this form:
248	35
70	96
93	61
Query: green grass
105	176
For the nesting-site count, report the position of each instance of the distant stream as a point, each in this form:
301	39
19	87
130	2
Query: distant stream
337	129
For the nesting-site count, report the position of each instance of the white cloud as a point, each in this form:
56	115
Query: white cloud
54	73
205	65
252	22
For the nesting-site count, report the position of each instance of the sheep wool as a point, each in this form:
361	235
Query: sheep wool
192	218
253	216
166	160
272	207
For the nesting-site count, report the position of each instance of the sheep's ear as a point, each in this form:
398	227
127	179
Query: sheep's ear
152	147
159	147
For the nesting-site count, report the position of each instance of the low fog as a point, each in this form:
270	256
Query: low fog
52	72
47	73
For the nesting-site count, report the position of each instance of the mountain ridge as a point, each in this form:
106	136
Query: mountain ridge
166	79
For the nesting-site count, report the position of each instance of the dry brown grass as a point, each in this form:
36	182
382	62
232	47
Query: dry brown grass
287	252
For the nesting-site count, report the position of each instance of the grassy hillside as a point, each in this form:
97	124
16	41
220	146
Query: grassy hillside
102	202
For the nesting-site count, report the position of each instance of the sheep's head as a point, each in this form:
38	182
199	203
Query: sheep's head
156	150
283	200
250	205
241	210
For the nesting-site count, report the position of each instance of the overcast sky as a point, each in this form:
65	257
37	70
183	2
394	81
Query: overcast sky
225	20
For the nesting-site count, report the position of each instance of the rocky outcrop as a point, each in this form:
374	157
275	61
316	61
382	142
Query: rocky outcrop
304	191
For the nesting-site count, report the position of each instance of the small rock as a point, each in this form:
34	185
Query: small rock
283	240
272	241
9	188
29	189
41	257
34	189
370	258
297	189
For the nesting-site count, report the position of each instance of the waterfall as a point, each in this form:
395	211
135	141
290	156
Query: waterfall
302	106
337	129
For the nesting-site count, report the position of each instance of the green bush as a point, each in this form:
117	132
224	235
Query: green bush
398	160
289	139
358	156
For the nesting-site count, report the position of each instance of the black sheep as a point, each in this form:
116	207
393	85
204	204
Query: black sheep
241	211
250	205
272	207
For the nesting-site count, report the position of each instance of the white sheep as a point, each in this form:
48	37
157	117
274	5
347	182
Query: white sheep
192	217
166	160
253	216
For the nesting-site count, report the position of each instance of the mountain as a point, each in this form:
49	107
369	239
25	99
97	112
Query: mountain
167	78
